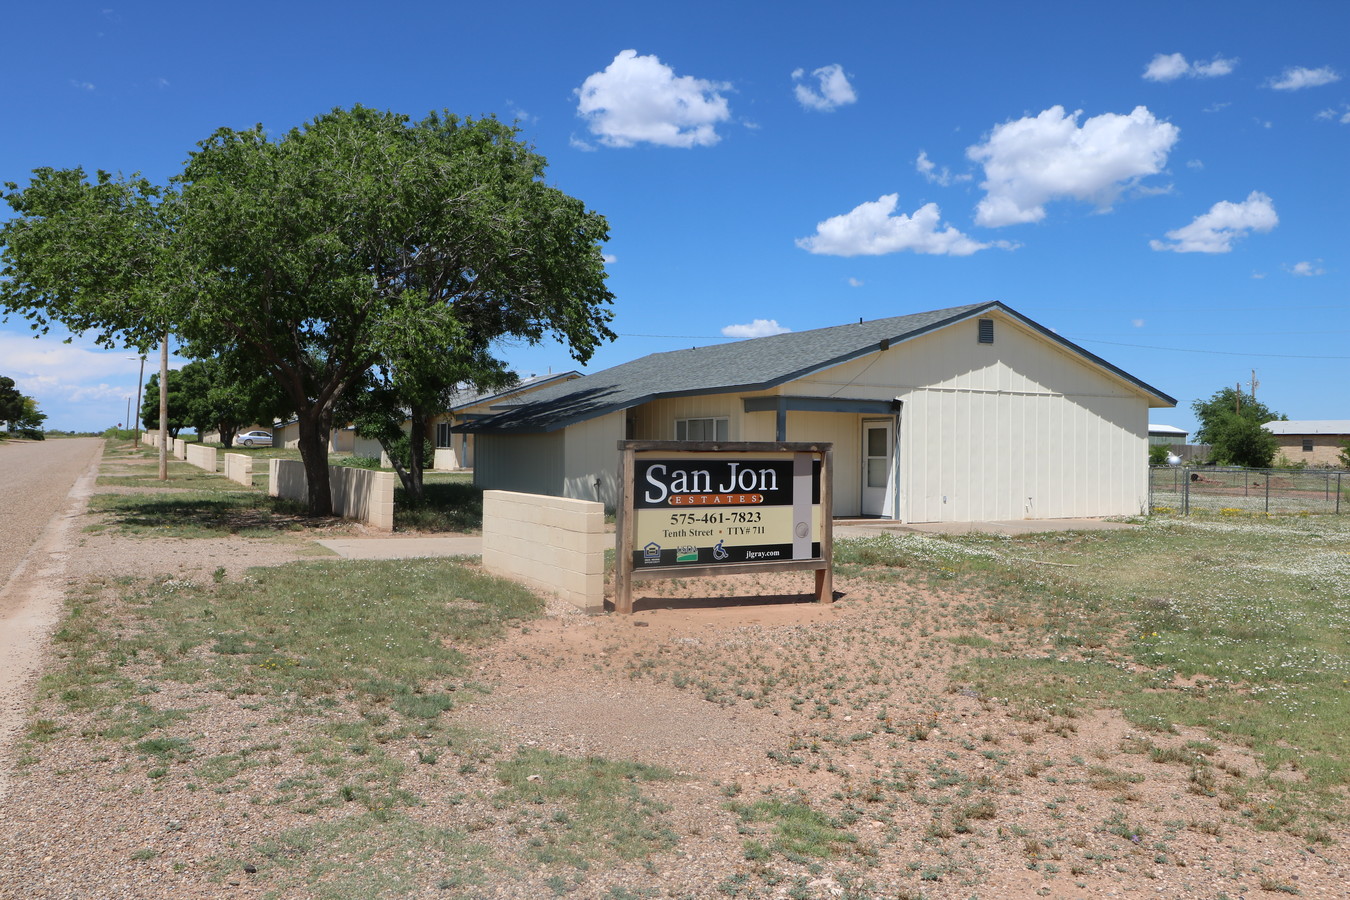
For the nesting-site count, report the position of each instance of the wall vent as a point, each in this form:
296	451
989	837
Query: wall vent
986	331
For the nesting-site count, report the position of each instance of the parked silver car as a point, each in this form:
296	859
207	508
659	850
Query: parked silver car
255	439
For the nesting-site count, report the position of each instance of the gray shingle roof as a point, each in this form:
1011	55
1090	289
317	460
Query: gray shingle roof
751	365
510	395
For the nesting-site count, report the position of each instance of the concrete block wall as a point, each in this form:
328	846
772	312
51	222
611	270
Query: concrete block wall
239	467
179	448
359	494
201	457
553	544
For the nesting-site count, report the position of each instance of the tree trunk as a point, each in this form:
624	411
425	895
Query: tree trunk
164	409
417	441
314	453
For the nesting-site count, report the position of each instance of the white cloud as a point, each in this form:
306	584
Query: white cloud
1033	160
928	169
855	282
82	85
757	328
1306	269
1215	231
1171	66
833	89
1166	67
1341	115
873	229
1137	323
609	258
77	385
1297	77
1194	164
1214	68
638	99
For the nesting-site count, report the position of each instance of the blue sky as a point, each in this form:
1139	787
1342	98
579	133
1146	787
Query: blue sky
1163	183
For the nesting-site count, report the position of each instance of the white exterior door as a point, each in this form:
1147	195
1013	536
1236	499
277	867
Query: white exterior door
878	464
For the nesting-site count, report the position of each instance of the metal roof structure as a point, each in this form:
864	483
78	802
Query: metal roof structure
1309	426
755	364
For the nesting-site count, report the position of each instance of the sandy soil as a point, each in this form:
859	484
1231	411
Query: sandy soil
851	707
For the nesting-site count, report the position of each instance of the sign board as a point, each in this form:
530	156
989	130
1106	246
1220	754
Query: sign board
693	508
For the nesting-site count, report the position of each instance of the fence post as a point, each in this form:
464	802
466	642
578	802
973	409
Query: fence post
1185	492
1267	492
1338	493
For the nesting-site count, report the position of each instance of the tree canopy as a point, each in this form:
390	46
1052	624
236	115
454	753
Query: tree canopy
357	239
1230	422
93	256
19	412
11	401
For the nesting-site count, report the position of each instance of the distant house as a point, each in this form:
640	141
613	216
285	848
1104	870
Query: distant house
1318	442
1166	435
963	414
455	451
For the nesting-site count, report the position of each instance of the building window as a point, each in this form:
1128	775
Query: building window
1307	445
702	429
986	331
443	437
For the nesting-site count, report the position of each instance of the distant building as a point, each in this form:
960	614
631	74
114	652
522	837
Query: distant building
1318	442
1166	435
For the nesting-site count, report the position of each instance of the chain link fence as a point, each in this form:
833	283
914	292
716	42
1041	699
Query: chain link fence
1183	489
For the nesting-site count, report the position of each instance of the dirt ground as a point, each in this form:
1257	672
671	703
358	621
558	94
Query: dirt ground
850	708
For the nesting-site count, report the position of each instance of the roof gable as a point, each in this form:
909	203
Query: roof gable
755	364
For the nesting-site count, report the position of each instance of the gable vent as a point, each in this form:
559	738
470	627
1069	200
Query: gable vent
986	331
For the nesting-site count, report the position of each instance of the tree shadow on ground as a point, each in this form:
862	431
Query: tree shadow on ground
196	515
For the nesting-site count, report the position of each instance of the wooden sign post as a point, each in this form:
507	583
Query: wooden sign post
693	509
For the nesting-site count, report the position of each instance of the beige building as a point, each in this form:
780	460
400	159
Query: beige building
964	414
1317	442
455	450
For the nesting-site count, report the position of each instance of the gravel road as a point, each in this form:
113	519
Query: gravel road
42	486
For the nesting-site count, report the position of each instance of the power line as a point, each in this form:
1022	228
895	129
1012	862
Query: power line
1212	352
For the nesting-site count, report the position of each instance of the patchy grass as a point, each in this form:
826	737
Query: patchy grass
798	829
351	664
451	503
1237	626
585	809
212	512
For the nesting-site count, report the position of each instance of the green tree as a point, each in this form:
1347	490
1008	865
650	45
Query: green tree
11	401
1231	422
1345	454
1241	441
30	420
177	403
92	256
316	255
221	395
362	236
410	392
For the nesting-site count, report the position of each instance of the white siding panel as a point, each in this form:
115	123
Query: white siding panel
527	463
591	454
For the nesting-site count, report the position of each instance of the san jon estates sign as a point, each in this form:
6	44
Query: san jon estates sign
692	509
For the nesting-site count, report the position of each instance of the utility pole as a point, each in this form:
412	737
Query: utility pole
1254	383
1237	398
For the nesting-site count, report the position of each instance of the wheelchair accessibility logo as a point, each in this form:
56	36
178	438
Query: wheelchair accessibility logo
719	552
